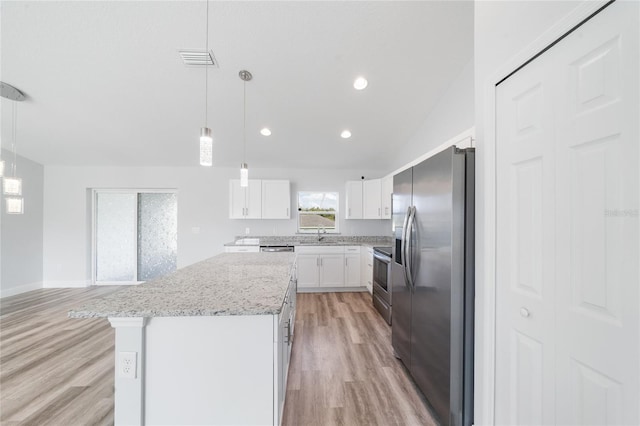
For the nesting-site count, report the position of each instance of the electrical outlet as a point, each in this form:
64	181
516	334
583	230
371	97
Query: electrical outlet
128	364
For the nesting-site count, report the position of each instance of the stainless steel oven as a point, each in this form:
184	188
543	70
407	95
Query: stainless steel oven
382	281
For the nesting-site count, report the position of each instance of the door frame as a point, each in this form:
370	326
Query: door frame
484	395
94	251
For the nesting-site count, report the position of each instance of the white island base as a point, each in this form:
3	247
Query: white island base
203	370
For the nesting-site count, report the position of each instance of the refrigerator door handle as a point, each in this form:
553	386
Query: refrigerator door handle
403	246
409	247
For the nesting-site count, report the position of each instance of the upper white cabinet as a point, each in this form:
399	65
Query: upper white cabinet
262	199
276	199
371	199
386	194
245	203
354	200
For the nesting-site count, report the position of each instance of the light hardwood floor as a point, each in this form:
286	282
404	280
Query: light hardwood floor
343	371
55	370
59	371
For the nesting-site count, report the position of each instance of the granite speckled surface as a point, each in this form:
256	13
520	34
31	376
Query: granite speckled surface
312	239
227	284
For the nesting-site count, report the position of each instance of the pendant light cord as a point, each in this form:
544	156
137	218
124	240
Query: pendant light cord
244	120
14	132
206	73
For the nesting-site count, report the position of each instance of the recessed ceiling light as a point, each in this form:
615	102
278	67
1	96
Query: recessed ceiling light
265	132
345	134
360	83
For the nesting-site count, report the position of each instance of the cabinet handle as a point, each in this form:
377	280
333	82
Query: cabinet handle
386	211
349	212
524	312
345	262
247	211
287	211
378	211
317	261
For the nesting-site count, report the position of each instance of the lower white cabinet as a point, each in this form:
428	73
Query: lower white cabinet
242	249
367	267
324	267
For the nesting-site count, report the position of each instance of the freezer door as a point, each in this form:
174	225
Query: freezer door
400	291
438	197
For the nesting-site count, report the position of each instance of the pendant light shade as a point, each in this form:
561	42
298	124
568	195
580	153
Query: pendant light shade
14	205
206	147
12	186
244	175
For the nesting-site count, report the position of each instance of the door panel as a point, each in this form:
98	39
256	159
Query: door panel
401	294
567	234
332	270
597	197
525	390
308	271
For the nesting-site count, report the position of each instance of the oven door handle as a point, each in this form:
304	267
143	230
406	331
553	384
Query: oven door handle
385	259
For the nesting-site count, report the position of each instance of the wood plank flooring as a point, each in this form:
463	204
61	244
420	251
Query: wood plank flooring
55	370
59	371
343	371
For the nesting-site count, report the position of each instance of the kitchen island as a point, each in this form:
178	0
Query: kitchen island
207	344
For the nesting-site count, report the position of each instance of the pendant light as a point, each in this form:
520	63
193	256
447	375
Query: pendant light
206	136
244	168
12	185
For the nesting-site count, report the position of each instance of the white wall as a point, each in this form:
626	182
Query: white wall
503	31
21	235
452	115
203	202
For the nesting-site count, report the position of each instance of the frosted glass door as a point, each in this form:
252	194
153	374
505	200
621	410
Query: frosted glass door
116	237
157	234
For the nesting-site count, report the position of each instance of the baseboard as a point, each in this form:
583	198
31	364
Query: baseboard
66	284
20	289
331	289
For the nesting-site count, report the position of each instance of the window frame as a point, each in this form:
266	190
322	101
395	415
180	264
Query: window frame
336	212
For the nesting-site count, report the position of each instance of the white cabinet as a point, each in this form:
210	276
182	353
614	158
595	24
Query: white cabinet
241	249
354	200
276	199
371	199
262	199
386	194
284	343
308	270
245	203
331	270
367	267
352	266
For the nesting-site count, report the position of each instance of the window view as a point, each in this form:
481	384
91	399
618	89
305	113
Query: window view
317	211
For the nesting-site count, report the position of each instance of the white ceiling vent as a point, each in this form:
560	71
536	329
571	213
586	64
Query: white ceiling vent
197	57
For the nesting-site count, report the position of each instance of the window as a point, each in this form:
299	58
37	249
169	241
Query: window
135	235
317	211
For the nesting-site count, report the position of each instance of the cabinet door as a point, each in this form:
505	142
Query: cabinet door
237	200
354	200
253	209
371	199
276	199
332	270
387	193
352	270
308	265
367	268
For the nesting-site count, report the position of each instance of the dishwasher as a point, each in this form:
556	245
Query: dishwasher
276	249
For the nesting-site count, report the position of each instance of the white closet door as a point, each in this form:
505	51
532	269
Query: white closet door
525	242
597	213
568	329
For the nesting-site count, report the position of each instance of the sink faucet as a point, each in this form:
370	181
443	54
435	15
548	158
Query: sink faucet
323	231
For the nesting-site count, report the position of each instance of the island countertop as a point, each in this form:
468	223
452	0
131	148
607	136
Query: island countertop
227	284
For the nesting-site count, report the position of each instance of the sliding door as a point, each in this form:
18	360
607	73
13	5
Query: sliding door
135	235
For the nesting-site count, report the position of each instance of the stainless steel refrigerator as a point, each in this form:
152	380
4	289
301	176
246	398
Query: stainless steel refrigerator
433	280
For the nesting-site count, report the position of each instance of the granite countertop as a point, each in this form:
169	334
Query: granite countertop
312	239
227	284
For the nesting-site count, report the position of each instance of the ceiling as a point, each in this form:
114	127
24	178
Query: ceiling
106	85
